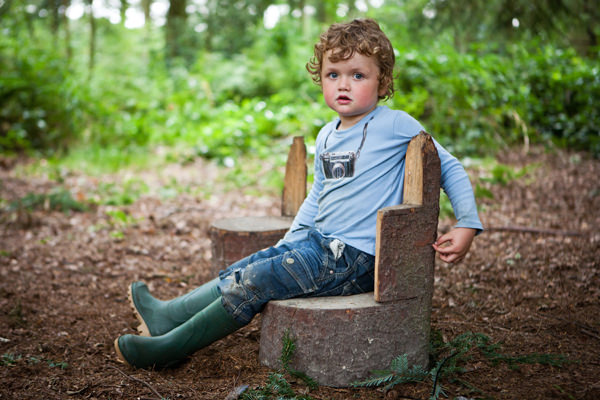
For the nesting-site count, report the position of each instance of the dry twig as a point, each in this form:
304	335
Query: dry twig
140	381
528	229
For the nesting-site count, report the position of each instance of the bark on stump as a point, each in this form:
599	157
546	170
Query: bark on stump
340	340
235	238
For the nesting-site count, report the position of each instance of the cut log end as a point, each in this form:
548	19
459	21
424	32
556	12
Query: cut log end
235	238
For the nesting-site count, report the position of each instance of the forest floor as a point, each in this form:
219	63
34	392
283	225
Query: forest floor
64	279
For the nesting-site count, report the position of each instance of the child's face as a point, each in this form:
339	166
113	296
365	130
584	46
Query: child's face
350	87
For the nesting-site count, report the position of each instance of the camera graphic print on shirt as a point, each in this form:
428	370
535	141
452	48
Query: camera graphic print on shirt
340	164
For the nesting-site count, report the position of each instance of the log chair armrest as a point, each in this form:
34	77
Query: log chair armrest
404	257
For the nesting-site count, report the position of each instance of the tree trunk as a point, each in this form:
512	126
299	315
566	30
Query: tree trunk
175	29
92	48
590	28
4	7
53	6
146	7
321	11
67	29
123	10
29	18
210	25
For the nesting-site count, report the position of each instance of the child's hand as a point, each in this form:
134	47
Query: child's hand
458	241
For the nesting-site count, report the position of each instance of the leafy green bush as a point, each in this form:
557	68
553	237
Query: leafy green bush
57	199
39	100
481	101
227	104
125	101
564	95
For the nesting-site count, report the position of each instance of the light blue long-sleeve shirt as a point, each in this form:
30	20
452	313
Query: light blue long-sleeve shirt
346	208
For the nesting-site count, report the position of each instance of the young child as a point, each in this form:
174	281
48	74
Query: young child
329	249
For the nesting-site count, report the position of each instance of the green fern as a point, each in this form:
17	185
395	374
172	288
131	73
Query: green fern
277	387
490	352
398	373
464	343
379	378
287	352
461	350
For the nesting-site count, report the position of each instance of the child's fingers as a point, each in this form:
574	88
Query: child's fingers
444	249
451	258
450	253
443	239
454	245
448	258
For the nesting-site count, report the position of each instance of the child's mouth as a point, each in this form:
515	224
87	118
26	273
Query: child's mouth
343	99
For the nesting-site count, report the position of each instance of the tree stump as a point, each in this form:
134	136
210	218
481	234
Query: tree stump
235	238
340	340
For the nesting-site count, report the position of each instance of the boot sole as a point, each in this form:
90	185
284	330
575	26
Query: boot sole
142	328
120	357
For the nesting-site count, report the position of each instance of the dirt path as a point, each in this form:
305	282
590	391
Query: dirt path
63	280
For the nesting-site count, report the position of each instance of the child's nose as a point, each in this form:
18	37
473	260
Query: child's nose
344	83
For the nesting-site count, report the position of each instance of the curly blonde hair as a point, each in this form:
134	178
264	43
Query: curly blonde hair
360	35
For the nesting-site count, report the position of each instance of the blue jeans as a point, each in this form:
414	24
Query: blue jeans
318	266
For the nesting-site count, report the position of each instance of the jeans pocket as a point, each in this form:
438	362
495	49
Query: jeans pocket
301	271
364	264
354	287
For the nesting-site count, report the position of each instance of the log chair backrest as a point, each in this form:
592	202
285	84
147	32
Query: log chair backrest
294	185
404	259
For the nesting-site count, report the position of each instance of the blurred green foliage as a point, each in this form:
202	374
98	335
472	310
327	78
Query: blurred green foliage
479	101
234	98
39	101
58	199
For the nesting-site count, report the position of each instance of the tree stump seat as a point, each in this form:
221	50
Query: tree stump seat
340	340
237	237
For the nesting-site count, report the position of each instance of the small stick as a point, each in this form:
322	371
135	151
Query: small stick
588	330
437	373
138	380
527	229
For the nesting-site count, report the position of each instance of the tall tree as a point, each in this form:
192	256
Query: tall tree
123	11
67	28
146	7
4	7
575	22
52	7
92	42
176	30
222	34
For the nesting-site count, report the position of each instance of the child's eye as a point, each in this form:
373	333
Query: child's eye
358	75
332	75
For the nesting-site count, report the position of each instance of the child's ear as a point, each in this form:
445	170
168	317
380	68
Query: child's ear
383	88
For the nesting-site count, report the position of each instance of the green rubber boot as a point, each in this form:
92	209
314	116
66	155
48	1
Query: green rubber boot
207	326
158	317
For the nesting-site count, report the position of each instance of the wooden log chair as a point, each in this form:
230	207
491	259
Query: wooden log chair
235	238
340	340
